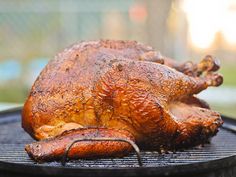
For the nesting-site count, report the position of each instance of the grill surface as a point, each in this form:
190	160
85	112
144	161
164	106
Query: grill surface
219	153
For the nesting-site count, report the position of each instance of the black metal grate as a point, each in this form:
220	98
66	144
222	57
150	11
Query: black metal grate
13	138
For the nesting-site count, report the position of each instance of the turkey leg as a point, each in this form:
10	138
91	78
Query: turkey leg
207	64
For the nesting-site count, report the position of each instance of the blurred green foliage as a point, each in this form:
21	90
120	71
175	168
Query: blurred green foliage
229	73
13	92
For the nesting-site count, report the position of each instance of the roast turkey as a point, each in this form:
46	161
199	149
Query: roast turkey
119	90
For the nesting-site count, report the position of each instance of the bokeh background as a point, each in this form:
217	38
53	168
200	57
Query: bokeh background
32	32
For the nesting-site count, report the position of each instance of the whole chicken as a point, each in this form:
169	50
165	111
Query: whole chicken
118	90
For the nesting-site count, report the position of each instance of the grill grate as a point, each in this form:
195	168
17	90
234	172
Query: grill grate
13	138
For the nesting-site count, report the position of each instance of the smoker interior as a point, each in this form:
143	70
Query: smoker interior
220	153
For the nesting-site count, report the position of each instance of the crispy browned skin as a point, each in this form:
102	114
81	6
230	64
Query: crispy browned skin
120	85
54	148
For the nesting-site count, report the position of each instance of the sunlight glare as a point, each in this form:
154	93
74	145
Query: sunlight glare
207	17
229	26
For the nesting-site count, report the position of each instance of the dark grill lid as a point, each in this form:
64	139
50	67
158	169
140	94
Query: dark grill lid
220	153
